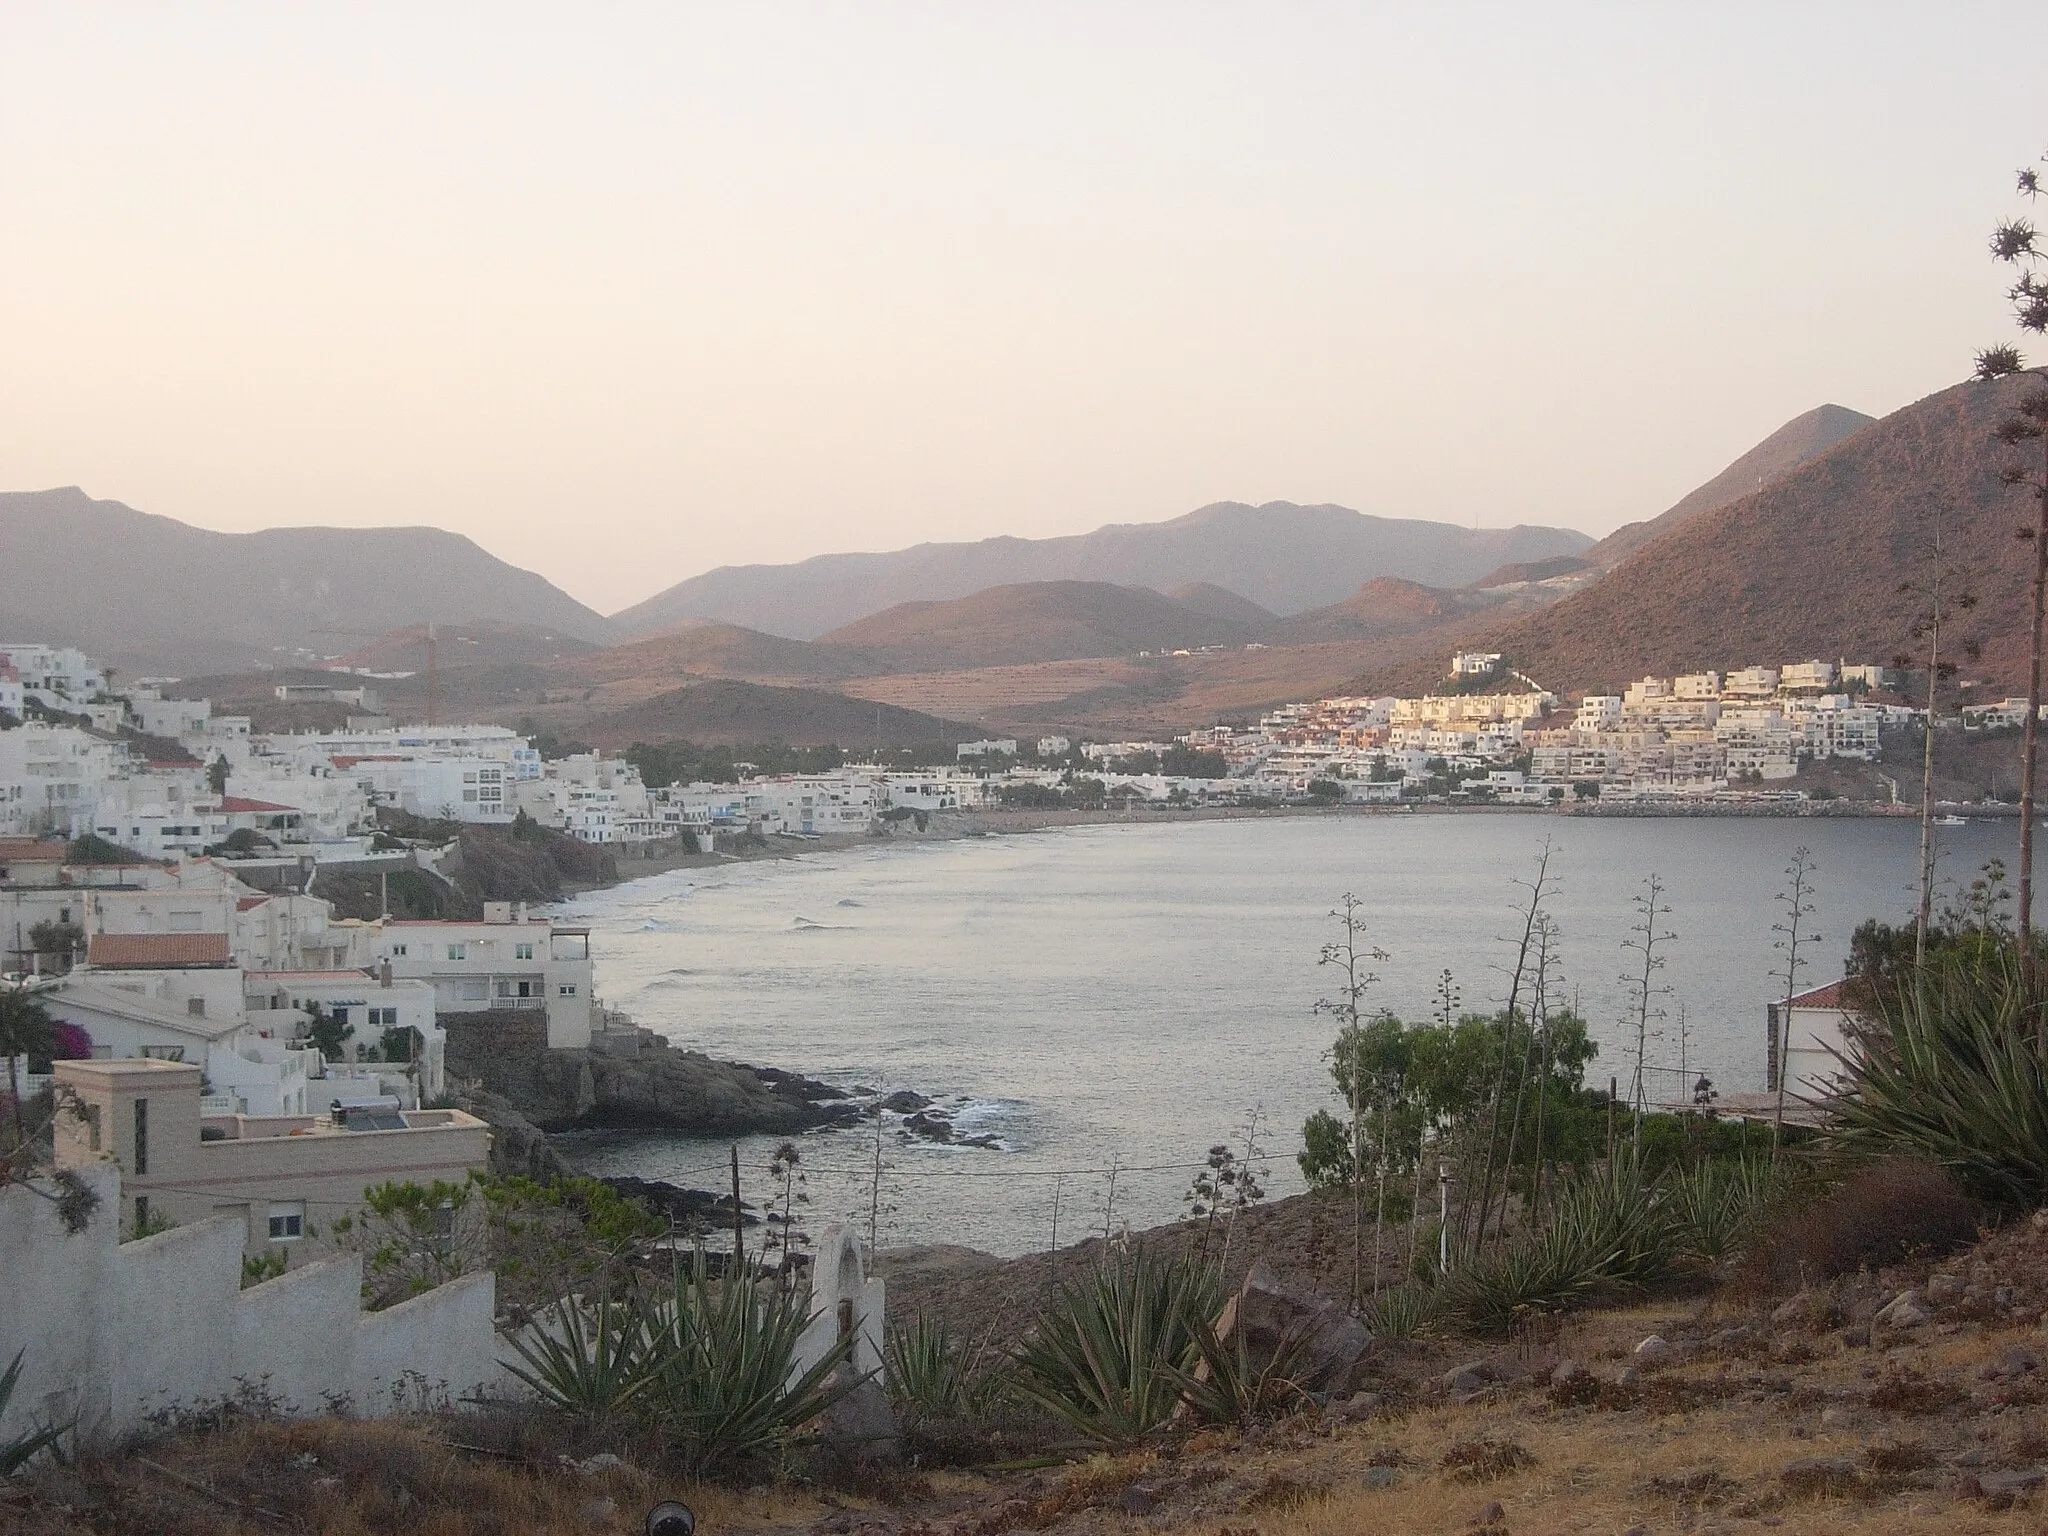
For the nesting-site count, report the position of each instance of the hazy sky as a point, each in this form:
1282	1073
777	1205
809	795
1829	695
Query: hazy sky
626	292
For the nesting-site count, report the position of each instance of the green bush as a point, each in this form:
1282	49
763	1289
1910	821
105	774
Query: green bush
1108	1357
1607	1232
932	1375
1954	1069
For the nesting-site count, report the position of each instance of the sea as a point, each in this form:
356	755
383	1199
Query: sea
1091	1009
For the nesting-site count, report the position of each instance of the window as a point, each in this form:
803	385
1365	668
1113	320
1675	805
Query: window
384	1017
141	1147
522	951
398	951
166	1052
287	1221
458	951
568	989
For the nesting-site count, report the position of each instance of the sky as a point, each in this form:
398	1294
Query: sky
628	292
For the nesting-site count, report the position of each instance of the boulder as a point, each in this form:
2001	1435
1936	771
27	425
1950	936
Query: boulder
1943	1289
1654	1350
1566	1371
1628	1376
1904	1310
1327	1342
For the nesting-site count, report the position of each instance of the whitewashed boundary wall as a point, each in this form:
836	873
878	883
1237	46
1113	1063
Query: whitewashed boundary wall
843	1299
114	1332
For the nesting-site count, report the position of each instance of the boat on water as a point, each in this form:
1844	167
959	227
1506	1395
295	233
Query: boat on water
1951	821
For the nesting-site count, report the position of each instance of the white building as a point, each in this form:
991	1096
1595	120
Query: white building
1002	746
1054	746
1807	677
506	961
469	789
1475	663
53	776
11	692
58	676
1598	712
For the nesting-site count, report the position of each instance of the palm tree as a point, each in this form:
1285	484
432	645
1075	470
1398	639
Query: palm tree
26	1029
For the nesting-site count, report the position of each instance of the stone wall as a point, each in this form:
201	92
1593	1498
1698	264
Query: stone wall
112	1333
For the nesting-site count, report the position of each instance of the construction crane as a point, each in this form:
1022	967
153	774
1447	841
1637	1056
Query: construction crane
378	634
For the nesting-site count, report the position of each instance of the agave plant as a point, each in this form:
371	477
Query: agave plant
1404	1312
1954	1069
1717	1204
25	1447
1607	1231
1230	1386
931	1374
1109	1357
723	1355
590	1360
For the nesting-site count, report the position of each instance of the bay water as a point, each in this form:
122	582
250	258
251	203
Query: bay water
1102	1004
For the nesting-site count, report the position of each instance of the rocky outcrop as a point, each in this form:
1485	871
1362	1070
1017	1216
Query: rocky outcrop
654	1086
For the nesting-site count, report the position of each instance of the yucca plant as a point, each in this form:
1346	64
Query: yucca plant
25	1447
1717	1204
723	1355
1107	1356
1954	1069
1607	1231
1404	1312
933	1374
589	1360
1228	1386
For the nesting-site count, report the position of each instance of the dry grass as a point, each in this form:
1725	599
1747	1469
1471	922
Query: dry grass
343	1477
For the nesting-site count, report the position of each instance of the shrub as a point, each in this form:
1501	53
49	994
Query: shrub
1878	1214
1607	1232
1718	1203
1954	1070
19	1451
931	1374
722	1354
1404	1312
1106	1357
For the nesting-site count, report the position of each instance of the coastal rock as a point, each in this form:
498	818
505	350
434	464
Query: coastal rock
1267	1315
905	1101
505	1055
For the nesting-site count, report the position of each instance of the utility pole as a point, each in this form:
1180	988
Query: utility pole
739	1220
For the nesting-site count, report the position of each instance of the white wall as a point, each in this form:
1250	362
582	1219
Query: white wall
113	1331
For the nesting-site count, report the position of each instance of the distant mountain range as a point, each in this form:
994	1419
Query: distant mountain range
153	593
1811	565
1282	557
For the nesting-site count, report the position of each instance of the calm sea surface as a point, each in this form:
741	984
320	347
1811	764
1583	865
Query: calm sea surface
1128	995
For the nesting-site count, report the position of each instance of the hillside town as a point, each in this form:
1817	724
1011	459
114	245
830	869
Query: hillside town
166	778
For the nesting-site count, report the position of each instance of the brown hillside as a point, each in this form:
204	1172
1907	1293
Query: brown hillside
471	643
1034	621
723	711
1222	603
721	650
1799	441
1809	566
1535	570
1380	610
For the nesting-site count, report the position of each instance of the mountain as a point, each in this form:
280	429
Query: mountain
1284	557
1536	570
156	594
700	649
471	643
1379	610
720	711
1032	622
1222	603
1801	439
1809	566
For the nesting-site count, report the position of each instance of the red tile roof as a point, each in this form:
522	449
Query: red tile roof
31	850
232	803
1833	995
157	951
